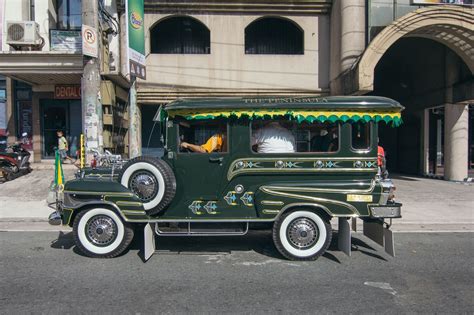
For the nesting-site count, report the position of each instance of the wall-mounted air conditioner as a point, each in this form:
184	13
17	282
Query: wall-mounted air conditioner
23	33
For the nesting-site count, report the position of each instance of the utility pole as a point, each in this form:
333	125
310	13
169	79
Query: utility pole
91	105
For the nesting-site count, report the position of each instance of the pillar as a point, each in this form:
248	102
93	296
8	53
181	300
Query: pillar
456	125
352	32
456	135
10	114
134	131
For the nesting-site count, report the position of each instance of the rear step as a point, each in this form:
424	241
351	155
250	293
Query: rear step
201	229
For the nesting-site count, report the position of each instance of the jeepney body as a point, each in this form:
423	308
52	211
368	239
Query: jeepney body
243	186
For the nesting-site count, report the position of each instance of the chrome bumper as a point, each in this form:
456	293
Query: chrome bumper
393	210
55	218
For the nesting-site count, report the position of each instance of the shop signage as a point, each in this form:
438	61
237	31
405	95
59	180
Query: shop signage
428	2
66	41
90	42
67	92
134	10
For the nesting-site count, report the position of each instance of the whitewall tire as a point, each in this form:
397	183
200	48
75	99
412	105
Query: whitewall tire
302	235
100	232
151	180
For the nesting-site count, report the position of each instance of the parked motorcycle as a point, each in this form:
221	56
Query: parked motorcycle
14	161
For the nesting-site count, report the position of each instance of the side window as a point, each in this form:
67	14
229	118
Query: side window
202	136
273	136
361	136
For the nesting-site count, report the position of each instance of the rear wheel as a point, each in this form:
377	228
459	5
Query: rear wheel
99	232
302	235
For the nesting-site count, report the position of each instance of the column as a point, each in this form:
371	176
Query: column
352	32
134	131
456	133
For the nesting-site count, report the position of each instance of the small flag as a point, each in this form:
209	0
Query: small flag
58	171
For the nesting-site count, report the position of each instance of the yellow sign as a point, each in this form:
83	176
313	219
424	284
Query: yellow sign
360	198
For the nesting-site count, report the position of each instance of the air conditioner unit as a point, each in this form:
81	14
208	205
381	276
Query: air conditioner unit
23	33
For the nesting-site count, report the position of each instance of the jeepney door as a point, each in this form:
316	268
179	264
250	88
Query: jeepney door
199	176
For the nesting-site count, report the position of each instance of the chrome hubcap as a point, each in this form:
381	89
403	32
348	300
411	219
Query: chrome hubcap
101	230
302	233
144	184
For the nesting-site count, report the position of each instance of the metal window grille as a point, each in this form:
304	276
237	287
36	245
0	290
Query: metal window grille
274	36
180	35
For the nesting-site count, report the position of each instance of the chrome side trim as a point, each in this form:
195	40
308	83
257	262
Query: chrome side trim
234	170
310	198
328	190
272	203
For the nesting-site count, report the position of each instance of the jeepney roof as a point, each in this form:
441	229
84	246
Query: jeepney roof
330	102
309	109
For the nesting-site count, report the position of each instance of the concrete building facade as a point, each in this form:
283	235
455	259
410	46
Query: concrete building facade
422	56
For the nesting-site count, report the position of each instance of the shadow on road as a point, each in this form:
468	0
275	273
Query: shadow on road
257	241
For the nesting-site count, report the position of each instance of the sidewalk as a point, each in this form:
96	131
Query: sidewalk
428	204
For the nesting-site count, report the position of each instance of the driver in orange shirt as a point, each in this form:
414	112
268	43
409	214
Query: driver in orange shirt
213	144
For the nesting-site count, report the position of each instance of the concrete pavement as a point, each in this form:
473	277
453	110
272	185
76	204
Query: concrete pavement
428	204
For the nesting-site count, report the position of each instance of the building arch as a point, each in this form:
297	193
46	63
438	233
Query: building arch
450	25
274	35
180	34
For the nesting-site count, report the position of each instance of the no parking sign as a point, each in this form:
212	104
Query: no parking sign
90	43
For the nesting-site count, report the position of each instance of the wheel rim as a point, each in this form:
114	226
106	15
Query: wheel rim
302	233
144	184
101	230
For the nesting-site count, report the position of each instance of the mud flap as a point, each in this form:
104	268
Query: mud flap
148	241
344	236
389	243
380	235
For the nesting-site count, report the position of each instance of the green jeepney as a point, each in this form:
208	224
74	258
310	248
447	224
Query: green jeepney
220	176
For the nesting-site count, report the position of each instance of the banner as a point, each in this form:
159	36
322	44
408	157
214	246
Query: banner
135	12
2	12
70	41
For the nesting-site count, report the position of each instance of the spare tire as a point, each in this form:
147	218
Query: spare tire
152	180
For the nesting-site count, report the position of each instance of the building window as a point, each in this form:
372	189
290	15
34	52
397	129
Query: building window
180	35
274	36
69	14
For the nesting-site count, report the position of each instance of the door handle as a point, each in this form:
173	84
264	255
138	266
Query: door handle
216	159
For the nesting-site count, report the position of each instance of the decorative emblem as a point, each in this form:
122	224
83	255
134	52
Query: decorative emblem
358	164
230	198
246	164
211	207
370	164
326	164
196	206
239	189
318	164
247	199
290	164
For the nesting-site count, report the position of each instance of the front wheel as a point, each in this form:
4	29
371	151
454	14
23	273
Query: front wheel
302	235
100	233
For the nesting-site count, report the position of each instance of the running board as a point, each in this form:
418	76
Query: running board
202	229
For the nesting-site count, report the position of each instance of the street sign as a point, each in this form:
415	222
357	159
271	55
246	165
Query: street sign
90	42
134	10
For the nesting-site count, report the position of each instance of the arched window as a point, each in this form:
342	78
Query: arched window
180	35
273	35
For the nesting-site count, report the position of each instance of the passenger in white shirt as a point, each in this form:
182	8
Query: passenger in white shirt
273	138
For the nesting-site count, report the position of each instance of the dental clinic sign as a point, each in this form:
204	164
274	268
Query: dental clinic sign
134	10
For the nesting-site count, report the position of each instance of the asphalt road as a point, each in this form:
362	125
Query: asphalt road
433	273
